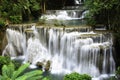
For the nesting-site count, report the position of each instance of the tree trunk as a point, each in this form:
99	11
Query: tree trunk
44	7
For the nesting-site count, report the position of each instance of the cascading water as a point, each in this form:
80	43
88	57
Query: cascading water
78	2
69	15
68	49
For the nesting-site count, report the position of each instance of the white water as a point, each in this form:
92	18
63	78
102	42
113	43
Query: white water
67	51
64	15
79	2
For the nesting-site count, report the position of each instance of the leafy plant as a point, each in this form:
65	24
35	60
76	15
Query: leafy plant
4	60
15	19
118	71
117	75
9	73
77	76
2	23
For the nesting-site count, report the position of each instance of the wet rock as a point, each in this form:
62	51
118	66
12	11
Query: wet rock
40	64
47	65
3	41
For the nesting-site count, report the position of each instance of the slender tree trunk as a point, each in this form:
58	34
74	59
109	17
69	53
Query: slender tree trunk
108	20
44	7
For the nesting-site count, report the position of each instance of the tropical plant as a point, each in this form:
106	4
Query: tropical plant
9	73
2	23
77	76
4	60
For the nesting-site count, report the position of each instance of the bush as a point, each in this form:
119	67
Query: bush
4	61
15	19
2	23
118	73
77	76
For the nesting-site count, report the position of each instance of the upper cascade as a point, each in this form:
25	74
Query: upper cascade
64	14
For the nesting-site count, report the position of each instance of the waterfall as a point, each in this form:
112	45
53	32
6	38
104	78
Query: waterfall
78	2
16	43
62	14
68	49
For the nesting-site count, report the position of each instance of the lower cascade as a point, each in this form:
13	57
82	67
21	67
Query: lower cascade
68	49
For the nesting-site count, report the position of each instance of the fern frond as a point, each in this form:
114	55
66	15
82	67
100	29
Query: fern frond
4	70
35	78
19	71
10	70
32	74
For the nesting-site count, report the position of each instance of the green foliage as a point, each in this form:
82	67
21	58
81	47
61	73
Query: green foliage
2	23
17	64
118	71
117	75
77	76
15	19
34	4
13	10
4	61
9	73
102	10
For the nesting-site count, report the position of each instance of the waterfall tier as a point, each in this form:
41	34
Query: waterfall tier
68	49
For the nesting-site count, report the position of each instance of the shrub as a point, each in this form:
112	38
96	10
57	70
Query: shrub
15	19
118	71
2	23
117	75
77	76
4	61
